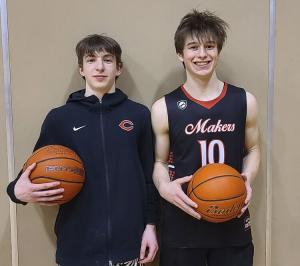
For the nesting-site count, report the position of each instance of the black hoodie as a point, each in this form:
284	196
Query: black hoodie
113	137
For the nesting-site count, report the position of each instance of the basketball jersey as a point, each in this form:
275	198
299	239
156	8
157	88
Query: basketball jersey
200	133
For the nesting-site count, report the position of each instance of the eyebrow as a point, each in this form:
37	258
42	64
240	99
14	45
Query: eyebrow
108	55
197	42
192	43
210	42
89	55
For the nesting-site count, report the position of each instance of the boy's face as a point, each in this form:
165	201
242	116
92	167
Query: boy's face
200	57
100	71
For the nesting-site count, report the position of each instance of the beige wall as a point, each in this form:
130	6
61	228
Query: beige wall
43	68
285	179
5	246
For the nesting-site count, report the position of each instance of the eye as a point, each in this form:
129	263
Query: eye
90	60
210	46
193	47
108	60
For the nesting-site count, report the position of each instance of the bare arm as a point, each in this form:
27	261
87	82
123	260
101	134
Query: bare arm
252	158
169	190
159	119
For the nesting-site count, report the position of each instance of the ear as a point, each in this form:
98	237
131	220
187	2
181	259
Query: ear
119	69
80	70
180	57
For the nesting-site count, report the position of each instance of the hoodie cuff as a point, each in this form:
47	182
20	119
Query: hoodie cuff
11	193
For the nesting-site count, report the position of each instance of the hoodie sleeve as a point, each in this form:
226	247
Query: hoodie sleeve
146	152
47	137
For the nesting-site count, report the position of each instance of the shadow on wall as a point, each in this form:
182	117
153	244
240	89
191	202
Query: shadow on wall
225	72
126	83
136	81
76	83
172	80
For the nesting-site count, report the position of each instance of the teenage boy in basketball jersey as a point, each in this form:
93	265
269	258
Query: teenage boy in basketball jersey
112	219
203	121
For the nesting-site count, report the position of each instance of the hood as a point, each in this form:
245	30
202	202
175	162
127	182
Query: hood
109	100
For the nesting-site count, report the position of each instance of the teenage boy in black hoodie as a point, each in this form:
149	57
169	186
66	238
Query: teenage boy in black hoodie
112	220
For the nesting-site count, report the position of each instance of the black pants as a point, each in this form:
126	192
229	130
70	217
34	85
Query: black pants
231	256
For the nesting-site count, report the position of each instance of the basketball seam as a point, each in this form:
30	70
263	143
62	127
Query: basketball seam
193	188
214	177
48	146
56	179
52	146
57	158
218	199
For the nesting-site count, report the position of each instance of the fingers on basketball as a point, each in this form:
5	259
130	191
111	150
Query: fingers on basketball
184	179
28	170
45	186
56	166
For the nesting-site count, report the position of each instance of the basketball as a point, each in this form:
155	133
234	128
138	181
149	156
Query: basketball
219	191
57	163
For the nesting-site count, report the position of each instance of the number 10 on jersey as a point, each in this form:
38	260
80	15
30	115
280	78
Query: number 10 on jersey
207	151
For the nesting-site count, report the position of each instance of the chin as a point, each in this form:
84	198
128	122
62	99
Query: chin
203	74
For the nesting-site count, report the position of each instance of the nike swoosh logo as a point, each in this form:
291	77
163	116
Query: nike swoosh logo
77	128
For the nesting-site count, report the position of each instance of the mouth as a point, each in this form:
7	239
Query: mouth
202	63
99	77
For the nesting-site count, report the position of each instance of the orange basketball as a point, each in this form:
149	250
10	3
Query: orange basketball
57	163
219	191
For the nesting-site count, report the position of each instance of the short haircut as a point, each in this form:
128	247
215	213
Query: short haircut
202	25
98	43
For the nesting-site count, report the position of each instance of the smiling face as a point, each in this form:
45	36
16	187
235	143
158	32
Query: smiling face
200	57
100	70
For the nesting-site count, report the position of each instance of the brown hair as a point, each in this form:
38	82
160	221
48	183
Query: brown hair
96	43
202	25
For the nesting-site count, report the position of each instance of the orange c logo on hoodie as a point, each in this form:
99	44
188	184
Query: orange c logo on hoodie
126	125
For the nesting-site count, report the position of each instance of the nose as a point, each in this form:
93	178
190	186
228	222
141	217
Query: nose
100	65
202	53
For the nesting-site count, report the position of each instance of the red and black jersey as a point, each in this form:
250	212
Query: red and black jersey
203	132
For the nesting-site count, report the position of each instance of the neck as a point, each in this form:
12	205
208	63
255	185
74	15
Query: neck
204	88
98	92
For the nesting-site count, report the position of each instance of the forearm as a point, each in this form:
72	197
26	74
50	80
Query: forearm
251	163
160	174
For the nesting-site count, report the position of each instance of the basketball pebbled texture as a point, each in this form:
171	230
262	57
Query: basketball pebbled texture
219	191
57	163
